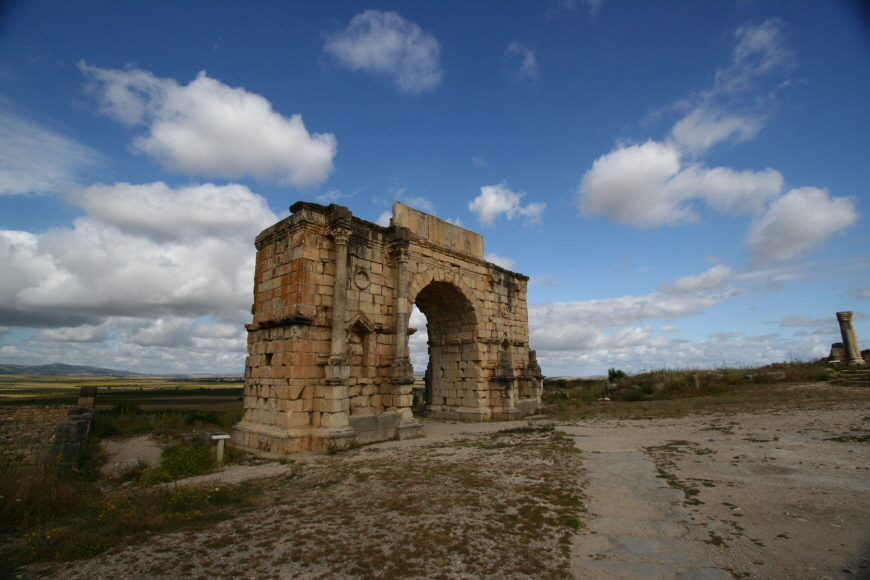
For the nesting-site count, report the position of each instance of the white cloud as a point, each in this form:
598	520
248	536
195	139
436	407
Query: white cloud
419	202
388	44
727	190
454	221
123	289
732	110
384	219
760	50
209	128
520	63
701	129
594	324
629	186
84	333
159	212
647	185
861	293
713	279
496	200
505	263
593	6
805	321
34	159
669	329
121	261
798	221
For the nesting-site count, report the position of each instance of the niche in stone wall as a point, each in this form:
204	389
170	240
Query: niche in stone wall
360	347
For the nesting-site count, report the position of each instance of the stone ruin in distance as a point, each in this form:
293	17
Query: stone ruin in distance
328	363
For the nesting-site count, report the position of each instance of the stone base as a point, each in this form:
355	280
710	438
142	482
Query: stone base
529	406
362	429
278	441
521	408
459	414
410	429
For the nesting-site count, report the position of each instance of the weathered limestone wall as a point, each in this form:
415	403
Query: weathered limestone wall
328	359
27	432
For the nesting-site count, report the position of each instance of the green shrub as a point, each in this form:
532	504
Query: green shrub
179	461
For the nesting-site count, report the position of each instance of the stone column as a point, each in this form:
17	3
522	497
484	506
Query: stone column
850	340
337	371
402	371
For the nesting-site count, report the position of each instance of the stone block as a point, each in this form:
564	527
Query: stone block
333	420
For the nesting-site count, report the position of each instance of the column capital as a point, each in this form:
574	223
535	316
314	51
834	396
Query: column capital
340	235
401	253
844	316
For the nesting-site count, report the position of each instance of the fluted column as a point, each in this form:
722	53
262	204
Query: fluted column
850	339
338	370
402	370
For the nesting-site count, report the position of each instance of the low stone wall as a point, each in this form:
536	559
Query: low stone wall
27	432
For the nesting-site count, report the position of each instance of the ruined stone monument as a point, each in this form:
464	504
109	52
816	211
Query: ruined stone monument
328	363
850	339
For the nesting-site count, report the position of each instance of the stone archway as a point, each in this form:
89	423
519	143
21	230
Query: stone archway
454	387
328	360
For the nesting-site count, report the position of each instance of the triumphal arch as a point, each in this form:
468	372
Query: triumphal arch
328	363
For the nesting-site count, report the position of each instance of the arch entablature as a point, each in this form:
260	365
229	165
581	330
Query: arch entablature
328	356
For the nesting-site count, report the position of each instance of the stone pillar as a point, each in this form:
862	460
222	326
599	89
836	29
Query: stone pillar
402	371
850	340
337	371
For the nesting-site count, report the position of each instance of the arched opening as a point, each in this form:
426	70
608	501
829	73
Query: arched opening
452	385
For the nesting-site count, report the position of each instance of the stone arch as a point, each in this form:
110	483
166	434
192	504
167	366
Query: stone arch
430	275
328	362
455	384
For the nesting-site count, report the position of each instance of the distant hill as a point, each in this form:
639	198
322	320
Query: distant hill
62	369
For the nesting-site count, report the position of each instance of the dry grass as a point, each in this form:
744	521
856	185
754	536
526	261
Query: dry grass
498	505
671	393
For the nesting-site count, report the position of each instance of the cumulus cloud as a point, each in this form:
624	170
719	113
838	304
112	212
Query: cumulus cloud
648	185
159	212
497	200
34	159
385	43
84	333
663	183
713	279
120	260
502	261
669	329
602	323
151	278
520	63
798	221
209	128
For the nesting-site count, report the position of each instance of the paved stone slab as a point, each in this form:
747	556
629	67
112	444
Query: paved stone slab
616	569
642	530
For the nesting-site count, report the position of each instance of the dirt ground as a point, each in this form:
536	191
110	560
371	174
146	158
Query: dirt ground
769	494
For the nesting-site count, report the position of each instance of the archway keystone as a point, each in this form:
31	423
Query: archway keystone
328	362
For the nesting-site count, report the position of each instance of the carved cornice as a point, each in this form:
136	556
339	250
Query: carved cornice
297	319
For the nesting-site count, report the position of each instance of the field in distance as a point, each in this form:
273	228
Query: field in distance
204	393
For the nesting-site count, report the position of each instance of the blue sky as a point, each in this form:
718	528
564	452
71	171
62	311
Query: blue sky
685	183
